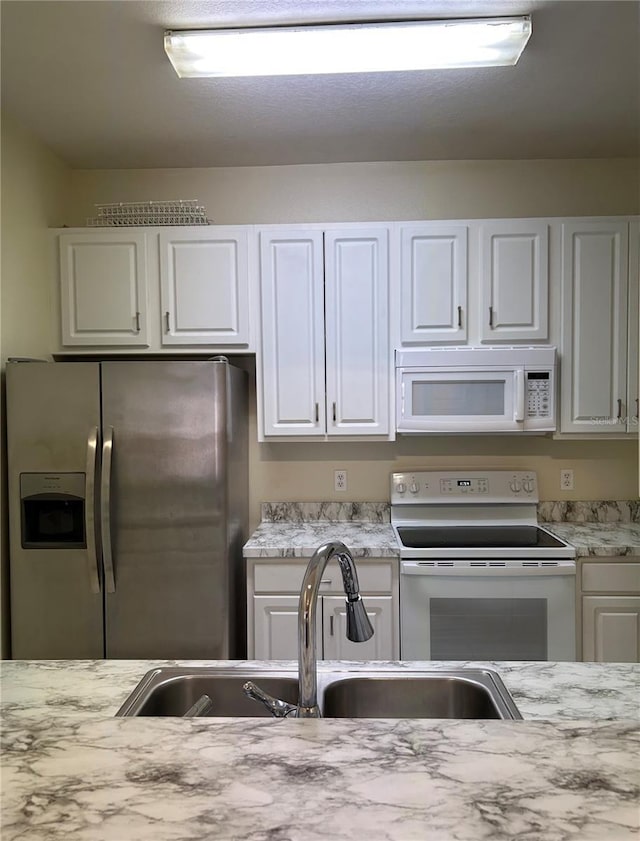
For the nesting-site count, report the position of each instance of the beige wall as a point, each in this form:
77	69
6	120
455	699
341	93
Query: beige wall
361	192
387	191
370	191
35	186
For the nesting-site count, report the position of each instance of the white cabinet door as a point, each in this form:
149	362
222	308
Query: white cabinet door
433	283
275	628
514	267
611	629
103	288
291	266
634	328
383	645
594	327
357	332
204	286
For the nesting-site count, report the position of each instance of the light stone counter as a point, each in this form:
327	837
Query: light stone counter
70	770
599	539
295	530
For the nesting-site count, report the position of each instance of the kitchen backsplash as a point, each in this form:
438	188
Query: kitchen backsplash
550	511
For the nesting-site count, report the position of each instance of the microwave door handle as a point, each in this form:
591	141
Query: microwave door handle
105	510
519	409
89	511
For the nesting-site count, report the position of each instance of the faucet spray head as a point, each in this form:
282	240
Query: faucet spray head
359	628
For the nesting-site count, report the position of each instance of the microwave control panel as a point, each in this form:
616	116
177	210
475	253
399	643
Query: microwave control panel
538	396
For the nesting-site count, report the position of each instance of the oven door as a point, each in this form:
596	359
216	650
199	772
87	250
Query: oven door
454	400
504	612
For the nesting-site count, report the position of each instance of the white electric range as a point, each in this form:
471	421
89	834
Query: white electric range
480	579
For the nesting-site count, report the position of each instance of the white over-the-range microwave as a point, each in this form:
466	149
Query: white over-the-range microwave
476	390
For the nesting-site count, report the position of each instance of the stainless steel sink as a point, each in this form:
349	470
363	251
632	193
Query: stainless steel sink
374	693
438	695
173	691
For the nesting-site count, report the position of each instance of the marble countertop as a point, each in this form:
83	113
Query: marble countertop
283	539
599	539
71	770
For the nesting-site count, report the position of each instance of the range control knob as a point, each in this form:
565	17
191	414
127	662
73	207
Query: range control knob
515	486
401	487
528	485
414	488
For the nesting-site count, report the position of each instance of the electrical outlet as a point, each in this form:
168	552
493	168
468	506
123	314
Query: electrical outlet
566	480
340	480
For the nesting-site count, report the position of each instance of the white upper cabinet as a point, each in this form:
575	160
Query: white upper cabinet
634	328
357	332
103	288
514	272
292	286
433	283
204	286
324	376
595	316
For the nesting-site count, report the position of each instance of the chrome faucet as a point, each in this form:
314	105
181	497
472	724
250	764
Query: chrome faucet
358	630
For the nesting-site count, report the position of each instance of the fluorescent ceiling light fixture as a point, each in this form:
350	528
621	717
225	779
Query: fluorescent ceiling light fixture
348	48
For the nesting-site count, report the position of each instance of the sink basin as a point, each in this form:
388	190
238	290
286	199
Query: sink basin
172	691
438	695
373	693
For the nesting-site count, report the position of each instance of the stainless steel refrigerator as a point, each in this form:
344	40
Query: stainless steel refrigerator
128	508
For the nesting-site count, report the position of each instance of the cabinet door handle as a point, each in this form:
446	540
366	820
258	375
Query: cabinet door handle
331	625
637	407
619	409
334	412
459	316
137	322
317	413
167	326
491	317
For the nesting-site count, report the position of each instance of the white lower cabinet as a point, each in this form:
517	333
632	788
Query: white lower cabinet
611	619
272	611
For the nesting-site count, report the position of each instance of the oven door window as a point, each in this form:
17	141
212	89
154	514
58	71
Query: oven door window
487	617
488	629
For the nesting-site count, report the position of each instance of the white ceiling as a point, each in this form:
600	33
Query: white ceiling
92	81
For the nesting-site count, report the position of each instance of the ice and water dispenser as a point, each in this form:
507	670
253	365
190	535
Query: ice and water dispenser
52	509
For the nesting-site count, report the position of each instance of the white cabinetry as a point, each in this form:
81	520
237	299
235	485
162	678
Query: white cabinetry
155	289
103	288
474	281
273	589
433	283
611	611
514	268
595	323
204	286
325	366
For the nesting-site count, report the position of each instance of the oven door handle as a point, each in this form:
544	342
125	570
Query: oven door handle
482	571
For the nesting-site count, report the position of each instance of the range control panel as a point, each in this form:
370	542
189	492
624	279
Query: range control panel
431	486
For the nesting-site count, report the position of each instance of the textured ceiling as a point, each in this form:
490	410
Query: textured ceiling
92	81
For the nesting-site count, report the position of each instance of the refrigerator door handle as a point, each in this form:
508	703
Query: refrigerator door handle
105	510
89	511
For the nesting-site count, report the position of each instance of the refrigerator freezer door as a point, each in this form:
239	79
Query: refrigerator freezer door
53	415
168	509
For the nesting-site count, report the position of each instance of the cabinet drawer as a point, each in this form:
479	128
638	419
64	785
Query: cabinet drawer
611	578
287	578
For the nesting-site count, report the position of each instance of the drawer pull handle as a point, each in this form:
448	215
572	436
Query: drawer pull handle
325	580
